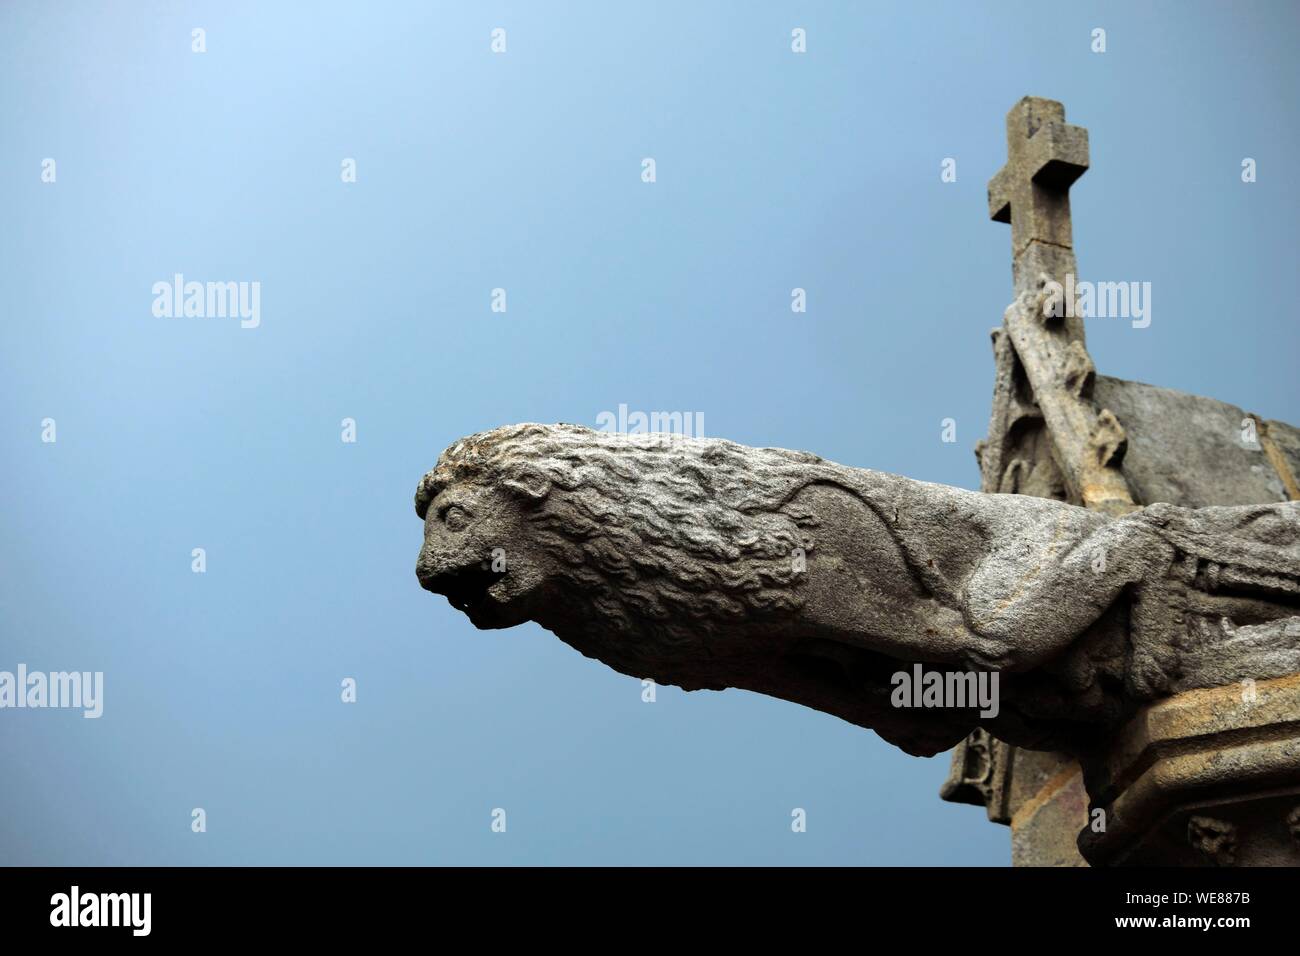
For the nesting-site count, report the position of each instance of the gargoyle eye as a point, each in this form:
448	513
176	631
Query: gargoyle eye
455	517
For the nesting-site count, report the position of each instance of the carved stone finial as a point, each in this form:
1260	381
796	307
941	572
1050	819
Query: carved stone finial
1216	840
1293	825
1080	373
1108	441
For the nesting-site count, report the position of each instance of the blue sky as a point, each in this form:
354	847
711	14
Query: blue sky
522	171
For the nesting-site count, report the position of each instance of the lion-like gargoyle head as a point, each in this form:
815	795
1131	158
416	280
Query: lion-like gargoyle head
638	550
476	505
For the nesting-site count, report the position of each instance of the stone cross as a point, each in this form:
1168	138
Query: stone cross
1032	191
1045	156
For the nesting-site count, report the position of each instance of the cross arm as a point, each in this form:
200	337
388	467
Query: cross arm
1057	155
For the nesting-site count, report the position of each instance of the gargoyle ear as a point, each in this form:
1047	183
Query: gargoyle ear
530	485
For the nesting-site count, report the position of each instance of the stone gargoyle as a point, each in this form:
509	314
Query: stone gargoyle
707	564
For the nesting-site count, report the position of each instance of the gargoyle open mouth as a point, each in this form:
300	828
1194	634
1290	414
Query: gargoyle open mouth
466	588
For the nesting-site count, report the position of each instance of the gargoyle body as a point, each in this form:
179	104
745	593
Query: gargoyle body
707	564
